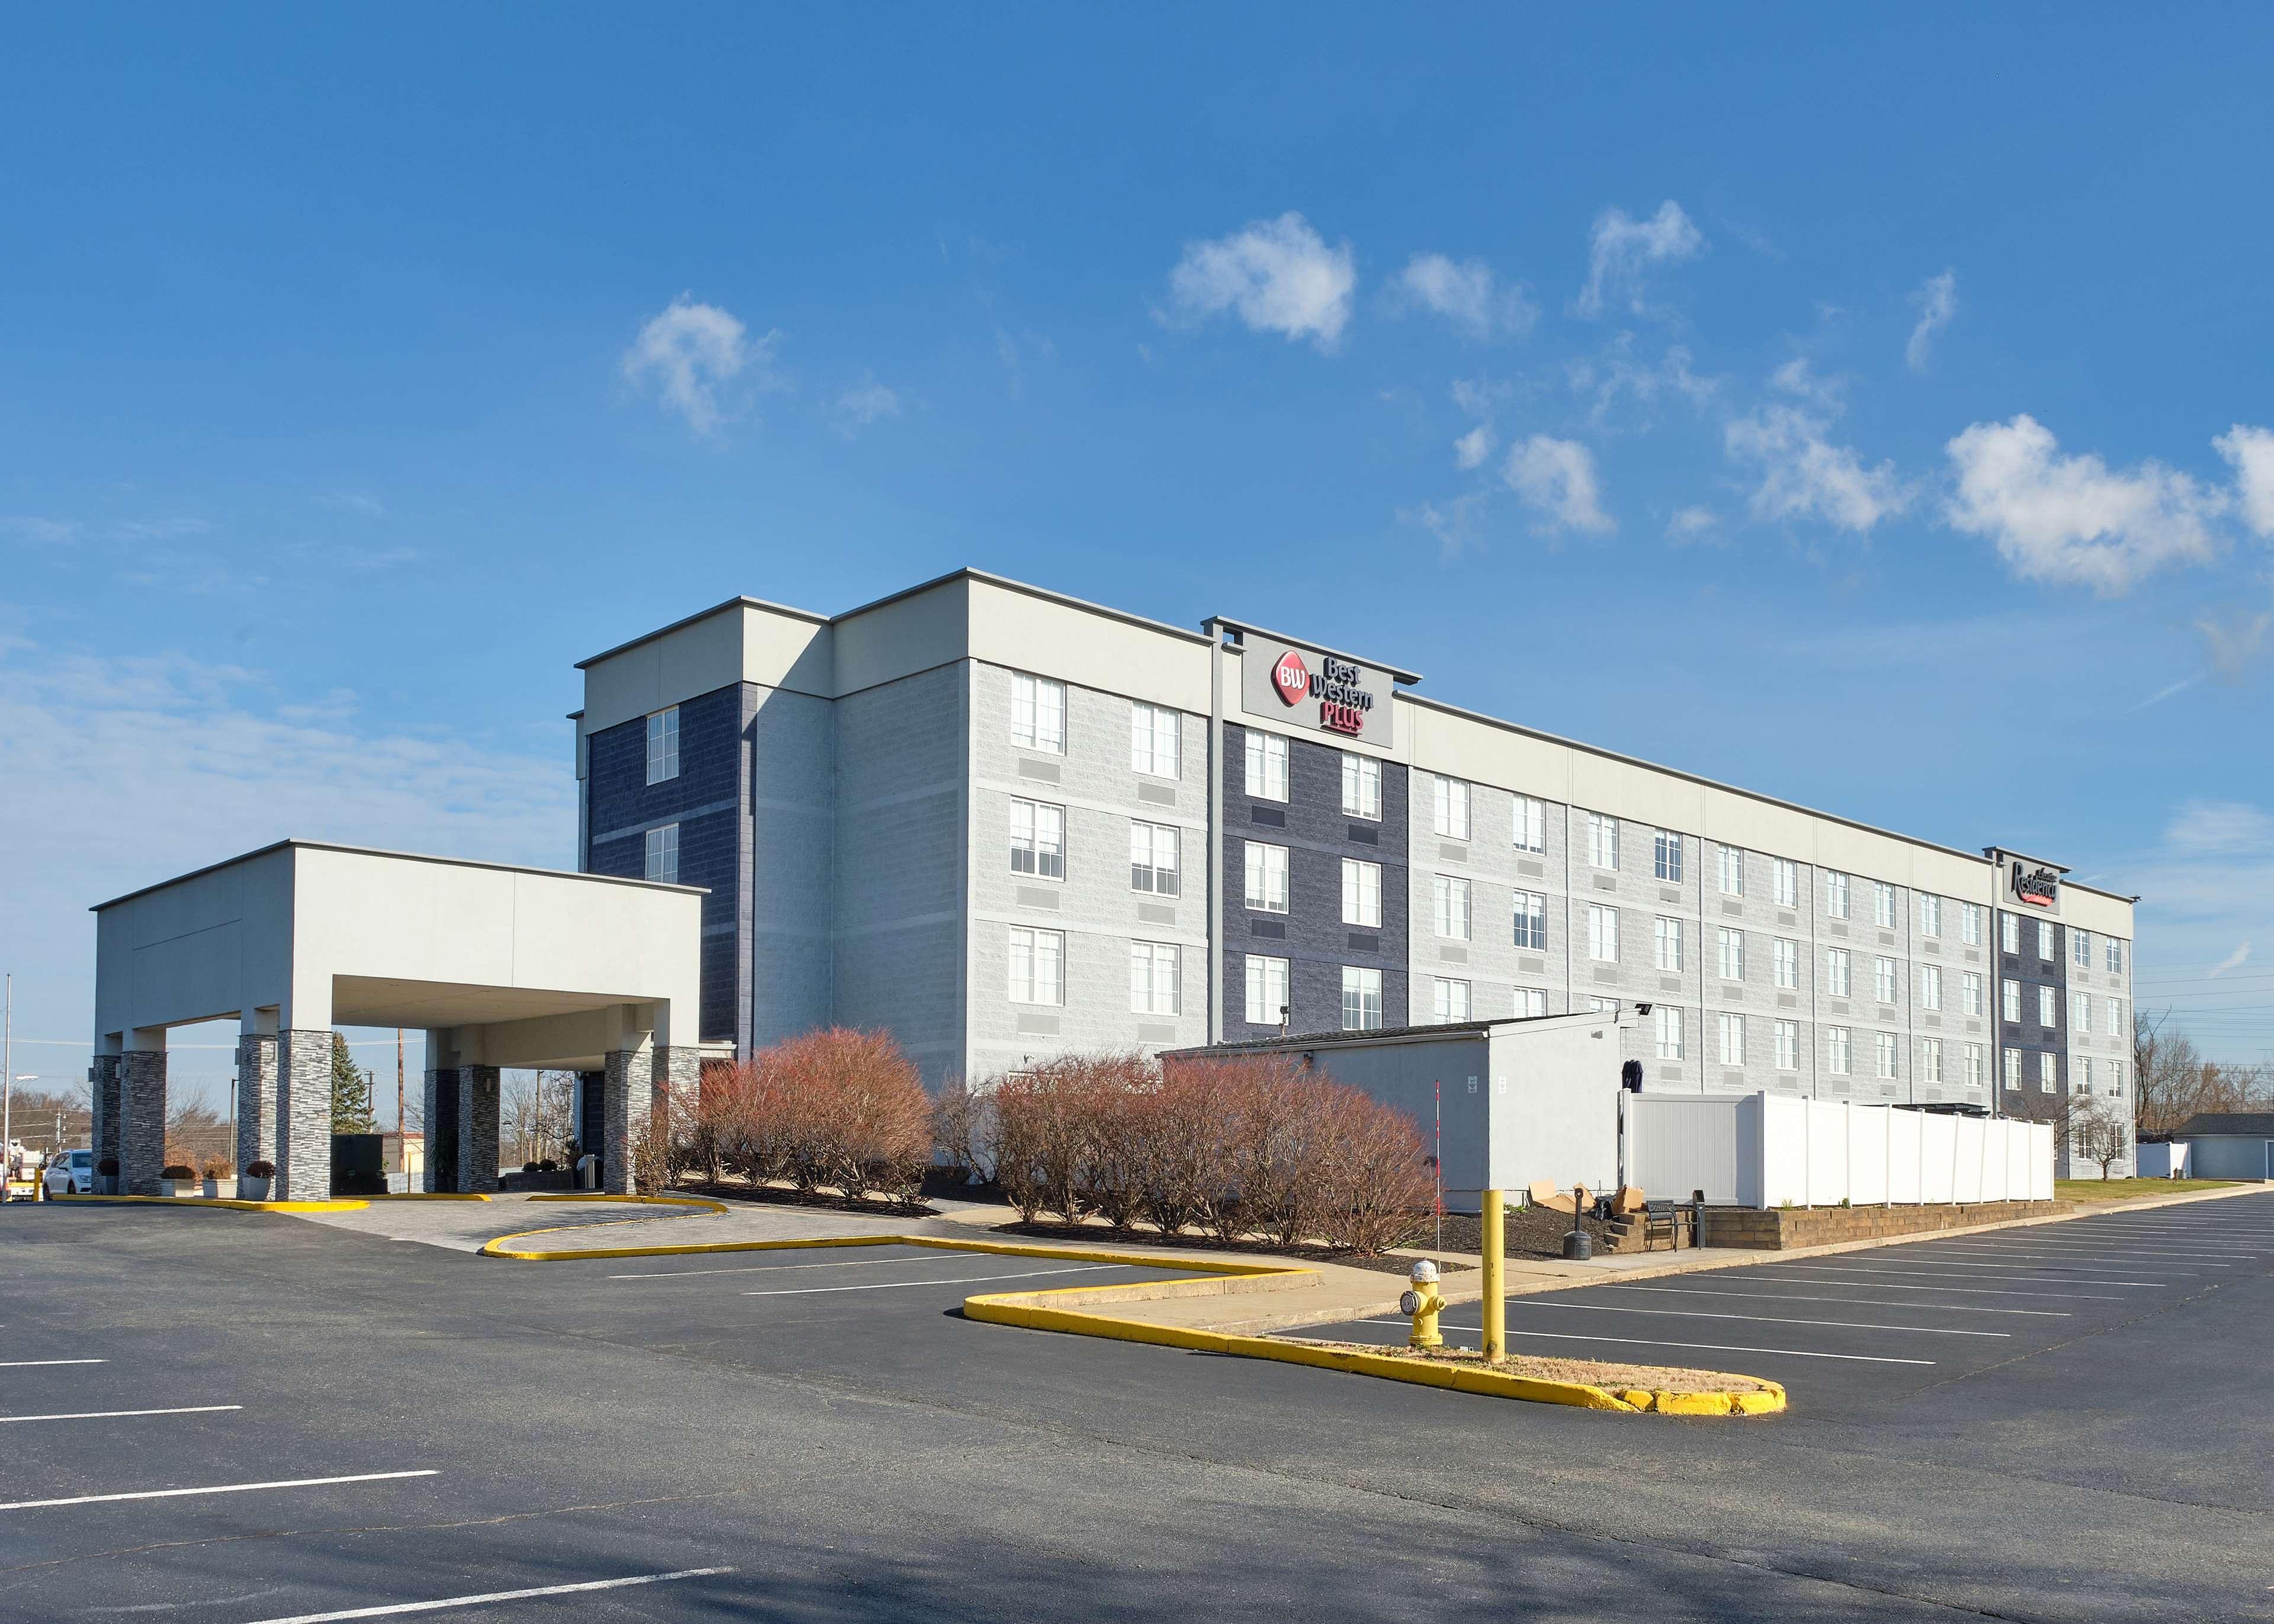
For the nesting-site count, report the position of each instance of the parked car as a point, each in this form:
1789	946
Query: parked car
72	1173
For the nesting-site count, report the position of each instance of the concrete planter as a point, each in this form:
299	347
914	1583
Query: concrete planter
106	1184
249	1188
220	1189
178	1186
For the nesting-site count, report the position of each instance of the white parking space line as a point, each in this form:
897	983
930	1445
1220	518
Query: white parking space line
1645	1341
396	1609
114	1415
2126	1260
218	1488
963	1280
1880	1283
766	1269
1926	1273
29	1364
1861	1302
1699	1313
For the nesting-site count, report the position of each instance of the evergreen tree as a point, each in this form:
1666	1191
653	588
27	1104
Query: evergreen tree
351	1111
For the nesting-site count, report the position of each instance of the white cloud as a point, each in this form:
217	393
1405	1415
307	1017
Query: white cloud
2234	961
1616	373
1478	398
1557	478
693	353
2073	519
1473	447
1465	294
2251	451
2215	826
1454	524
159	530
1803	475
1937	299
1623	247
1690	525
1276	275
51	531
863	404
2233	643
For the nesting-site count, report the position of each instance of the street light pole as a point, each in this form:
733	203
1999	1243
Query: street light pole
8	1094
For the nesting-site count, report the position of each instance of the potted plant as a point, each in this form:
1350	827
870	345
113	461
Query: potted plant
254	1186
220	1179
106	1176
175	1176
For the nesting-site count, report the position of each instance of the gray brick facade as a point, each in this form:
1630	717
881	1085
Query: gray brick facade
628	1098
141	1121
256	1095
103	1082
477	1129
303	1115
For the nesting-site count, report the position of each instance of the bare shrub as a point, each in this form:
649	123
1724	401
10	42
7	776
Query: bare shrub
962	1130
1371	1184
837	1108
1182	1152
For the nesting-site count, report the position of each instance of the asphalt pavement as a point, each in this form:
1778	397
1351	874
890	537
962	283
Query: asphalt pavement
374	1428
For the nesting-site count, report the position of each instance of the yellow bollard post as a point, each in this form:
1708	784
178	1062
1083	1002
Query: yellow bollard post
1495	1246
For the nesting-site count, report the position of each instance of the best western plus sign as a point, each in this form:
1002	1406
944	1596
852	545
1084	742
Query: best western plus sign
1342	703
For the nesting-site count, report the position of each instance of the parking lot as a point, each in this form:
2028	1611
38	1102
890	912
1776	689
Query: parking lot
232	1418
1869	1325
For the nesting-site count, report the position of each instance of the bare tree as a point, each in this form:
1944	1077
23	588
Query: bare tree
2097	1132
2173	1080
534	1112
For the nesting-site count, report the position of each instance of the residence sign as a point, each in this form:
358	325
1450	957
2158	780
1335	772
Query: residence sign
1324	692
2026	883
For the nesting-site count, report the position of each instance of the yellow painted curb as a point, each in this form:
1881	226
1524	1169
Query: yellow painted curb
1036	1311
430	1195
344	1205
704	1202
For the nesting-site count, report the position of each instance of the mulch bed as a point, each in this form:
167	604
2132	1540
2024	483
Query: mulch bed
1094	1234
1531	1232
785	1195
1614	1377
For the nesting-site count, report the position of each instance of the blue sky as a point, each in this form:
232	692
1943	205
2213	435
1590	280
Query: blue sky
1869	408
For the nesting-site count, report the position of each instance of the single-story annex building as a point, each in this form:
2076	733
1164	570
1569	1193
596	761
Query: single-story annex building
2229	1143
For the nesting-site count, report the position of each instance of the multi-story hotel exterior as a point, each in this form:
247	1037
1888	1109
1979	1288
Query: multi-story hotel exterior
1004	824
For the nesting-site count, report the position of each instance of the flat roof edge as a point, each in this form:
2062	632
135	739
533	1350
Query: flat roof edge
1402	678
375	851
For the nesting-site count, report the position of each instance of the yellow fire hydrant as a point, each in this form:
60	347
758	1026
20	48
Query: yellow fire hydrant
1423	1304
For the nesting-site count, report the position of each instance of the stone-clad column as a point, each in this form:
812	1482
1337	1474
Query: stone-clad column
103	1078
628	1099
303	1115
441	1118
141	1120
592	1116
477	1128
256	1100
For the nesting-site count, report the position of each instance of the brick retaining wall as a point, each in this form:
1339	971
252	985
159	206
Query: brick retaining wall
1784	1226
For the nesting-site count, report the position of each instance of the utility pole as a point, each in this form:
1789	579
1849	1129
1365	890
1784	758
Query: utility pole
398	1090
8	1094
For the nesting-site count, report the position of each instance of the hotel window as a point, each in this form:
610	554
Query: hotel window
1839	1050
663	745
2009	997
1155	857
1885	1043
1969	923
2012	1068
1038	713
1154	734
1969	991
2080	1012
1038	839
1531	921
1602	1006
1930	1060
2046	950
1836	971
1785	960
1929	987
1452	908
1361	787
1784	882
1602	933
1267	765
1361	999
2045	1072
2009	933
1602	840
1266	878
2081	1076
1155	981
2115	957
1267	991
1449	1000
1669	1031
2116	1078
1362	893
1883	979
1451	802
1666	935
2048	1008
2080	948
1835	894
1531	826
1037	963
1732	867
2115	1009
1929	916
1883	904
1974	1078
1787	1046
1733	954
1531	1003
1733	1039
663	854
1666	855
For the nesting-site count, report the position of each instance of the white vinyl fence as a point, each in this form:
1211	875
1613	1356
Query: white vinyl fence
1764	1150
